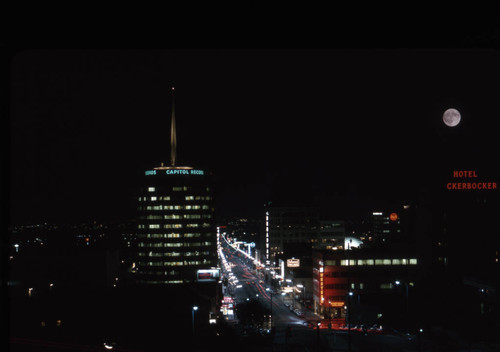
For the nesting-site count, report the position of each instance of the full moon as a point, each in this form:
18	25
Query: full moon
451	117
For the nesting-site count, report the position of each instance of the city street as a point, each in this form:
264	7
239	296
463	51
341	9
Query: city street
254	287
301	333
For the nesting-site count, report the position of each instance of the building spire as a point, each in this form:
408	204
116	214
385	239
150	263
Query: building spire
173	133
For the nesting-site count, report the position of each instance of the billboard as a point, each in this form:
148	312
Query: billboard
203	275
293	263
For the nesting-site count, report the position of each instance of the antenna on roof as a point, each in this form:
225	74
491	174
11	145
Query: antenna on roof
173	134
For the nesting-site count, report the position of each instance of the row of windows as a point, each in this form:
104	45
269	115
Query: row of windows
361	286
198	198
176	263
173	235
173	254
175	244
353	262
177	188
159	282
178	216
174	207
163	273
167	198
154	198
174	226
353	285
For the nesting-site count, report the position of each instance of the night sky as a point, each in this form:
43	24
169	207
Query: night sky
85	123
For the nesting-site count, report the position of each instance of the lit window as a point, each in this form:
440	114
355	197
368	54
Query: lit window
153	199
172	226
386	286
413	261
369	261
396	262
154	226
151	189
172	254
172	216
173	244
192	234
387	262
378	261
347	262
194	216
154	217
404	261
189	197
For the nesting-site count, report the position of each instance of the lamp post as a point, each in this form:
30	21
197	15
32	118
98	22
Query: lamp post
348	296
271	292
194	309
397	282
349	321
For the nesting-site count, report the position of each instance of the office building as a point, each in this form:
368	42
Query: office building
372	283
176	234
289	225
331	234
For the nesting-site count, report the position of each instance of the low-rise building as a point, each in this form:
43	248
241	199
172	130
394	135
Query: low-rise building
370	283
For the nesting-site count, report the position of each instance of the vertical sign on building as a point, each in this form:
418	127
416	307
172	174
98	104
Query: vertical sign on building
268	262
321	286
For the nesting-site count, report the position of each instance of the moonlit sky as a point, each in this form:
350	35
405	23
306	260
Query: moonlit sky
85	123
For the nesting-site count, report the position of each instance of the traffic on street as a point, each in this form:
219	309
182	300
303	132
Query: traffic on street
284	321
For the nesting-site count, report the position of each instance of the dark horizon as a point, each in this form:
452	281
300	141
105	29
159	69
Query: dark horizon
85	123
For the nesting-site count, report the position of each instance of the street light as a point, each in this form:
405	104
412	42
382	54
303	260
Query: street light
195	308
271	292
397	282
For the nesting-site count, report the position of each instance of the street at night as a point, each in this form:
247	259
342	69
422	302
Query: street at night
300	332
253	200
